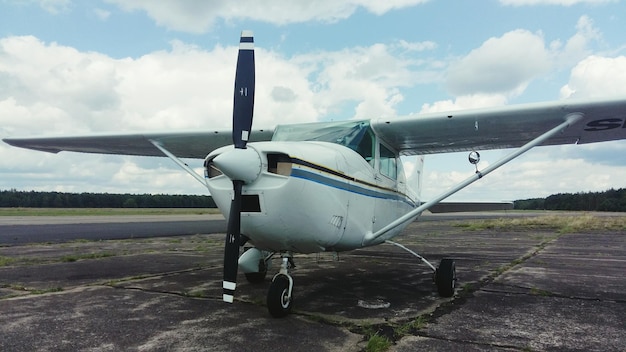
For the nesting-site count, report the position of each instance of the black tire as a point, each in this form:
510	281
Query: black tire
445	278
277	302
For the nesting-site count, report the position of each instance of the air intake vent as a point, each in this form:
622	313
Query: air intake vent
210	169
279	164
250	203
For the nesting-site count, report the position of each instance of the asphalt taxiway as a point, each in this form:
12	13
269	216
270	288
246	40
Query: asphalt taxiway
519	290
18	230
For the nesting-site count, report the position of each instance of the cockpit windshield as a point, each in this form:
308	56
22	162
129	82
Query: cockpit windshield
356	135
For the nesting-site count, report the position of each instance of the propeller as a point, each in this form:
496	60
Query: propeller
243	103
232	162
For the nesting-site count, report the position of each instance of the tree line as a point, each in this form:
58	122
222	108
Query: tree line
33	199
611	200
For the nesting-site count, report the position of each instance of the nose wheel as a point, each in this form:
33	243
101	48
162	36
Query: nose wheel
279	299
280	293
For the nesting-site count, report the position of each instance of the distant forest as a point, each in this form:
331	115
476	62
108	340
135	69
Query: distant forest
611	200
33	199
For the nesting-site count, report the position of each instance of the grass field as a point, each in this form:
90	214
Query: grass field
562	223
103	211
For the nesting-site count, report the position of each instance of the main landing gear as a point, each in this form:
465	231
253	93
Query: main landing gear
280	293
444	276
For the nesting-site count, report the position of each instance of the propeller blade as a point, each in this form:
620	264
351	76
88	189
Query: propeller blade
243	108
231	248
243	102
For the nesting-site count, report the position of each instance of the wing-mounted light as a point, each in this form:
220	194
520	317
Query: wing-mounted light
279	164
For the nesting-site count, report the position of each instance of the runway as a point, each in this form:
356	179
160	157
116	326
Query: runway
519	289
18	230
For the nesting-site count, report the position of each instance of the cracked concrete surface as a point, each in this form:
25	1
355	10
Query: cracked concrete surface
518	290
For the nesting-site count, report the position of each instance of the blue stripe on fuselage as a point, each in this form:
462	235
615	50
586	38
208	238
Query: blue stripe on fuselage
342	185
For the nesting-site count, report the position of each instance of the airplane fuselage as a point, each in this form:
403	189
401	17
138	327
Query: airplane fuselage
314	196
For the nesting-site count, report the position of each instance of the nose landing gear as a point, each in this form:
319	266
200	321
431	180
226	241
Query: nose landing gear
280	293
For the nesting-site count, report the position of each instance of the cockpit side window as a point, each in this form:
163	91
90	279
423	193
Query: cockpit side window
388	164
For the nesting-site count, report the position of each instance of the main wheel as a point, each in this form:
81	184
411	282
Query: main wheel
445	278
278	299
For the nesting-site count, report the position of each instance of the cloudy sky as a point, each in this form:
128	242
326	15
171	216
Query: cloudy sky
79	67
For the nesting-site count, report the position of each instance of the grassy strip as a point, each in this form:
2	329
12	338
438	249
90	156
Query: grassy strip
104	211
560	223
6	261
19	287
76	257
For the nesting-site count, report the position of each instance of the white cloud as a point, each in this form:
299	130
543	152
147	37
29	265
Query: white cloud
48	89
500	65
585	33
553	2
417	46
199	16
472	101
102	14
539	173
366	76
578	46
187	87
54	6
545	170
56	84
597	77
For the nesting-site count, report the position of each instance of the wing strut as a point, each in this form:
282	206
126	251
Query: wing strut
570	119
180	163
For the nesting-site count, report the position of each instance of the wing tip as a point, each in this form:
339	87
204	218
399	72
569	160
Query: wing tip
26	144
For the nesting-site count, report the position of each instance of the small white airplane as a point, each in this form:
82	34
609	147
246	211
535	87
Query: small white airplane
338	186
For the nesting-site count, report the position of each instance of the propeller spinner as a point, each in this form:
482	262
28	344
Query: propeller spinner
243	108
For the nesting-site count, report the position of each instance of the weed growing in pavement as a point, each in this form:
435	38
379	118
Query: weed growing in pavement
377	343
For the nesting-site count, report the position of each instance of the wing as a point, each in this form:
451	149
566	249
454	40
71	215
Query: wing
195	144
503	127
493	128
